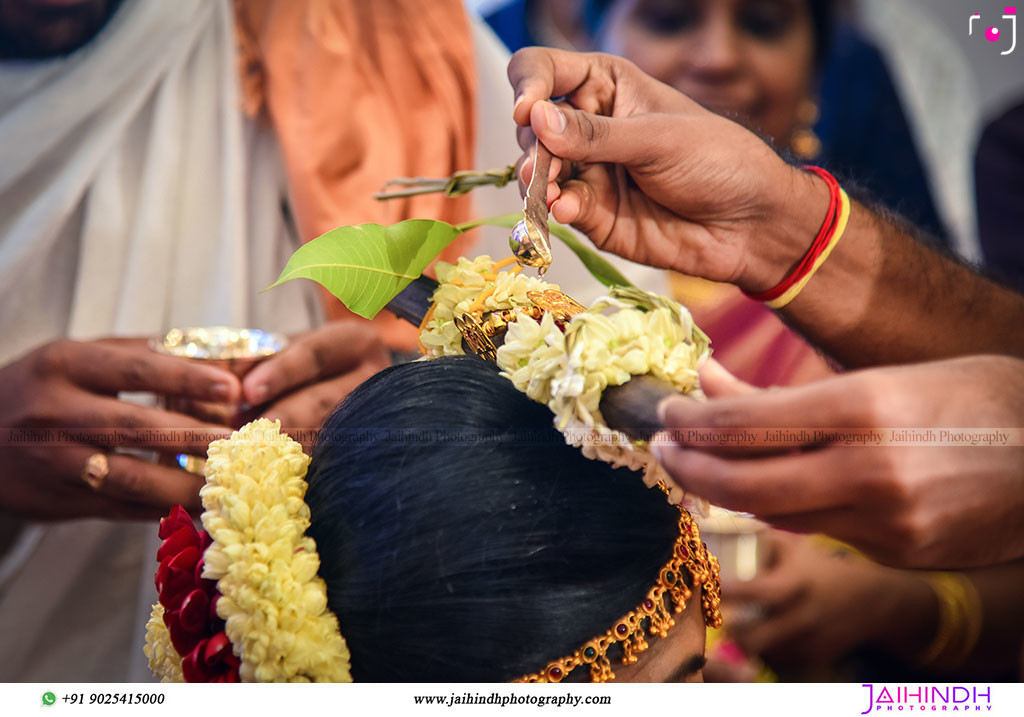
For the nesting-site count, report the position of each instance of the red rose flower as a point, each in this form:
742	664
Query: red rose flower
190	602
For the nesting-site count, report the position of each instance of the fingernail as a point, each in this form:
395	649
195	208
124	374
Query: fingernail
553	192
522	170
259	392
660	442
663	411
519	101
555	118
658	453
220	390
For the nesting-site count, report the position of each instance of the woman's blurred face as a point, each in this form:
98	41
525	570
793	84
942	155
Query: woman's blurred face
751	60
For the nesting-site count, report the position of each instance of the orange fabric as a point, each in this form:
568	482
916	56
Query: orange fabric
748	338
360	92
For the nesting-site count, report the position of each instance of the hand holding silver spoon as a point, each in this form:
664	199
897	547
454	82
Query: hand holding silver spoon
529	240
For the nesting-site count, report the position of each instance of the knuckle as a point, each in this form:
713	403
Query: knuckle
128	419
902	531
911	533
609	63
380	358
889	480
358	328
39	410
588	129
189	383
890	490
50	359
608	60
319	357
325	405
875	402
518	57
722	417
129	481
615	74
134	372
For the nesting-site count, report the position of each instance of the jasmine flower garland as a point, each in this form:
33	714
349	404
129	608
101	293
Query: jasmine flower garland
266	619
628	333
164	661
272	600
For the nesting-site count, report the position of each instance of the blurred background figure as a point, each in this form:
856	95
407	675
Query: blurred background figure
999	171
522	23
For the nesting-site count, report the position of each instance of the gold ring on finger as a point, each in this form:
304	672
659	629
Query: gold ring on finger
95	470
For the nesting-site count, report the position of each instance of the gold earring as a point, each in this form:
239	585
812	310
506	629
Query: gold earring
805	144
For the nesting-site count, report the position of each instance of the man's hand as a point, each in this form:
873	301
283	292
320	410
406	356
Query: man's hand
916	506
302	384
658	179
59	406
661	181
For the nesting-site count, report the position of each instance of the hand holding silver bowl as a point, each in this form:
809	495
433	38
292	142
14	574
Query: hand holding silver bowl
233	349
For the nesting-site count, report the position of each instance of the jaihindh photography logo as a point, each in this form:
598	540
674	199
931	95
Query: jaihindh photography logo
927	698
1003	31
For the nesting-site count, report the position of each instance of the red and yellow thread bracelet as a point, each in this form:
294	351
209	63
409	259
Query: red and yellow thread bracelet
831	232
792	292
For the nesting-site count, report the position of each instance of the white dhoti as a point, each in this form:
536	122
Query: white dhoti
134	197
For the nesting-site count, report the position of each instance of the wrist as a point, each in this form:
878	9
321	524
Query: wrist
912	615
792	217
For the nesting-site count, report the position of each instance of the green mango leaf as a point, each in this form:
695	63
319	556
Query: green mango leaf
599	267
367	265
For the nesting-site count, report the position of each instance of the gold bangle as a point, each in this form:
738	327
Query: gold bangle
960	620
973	619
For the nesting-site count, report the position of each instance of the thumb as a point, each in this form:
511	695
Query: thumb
585	137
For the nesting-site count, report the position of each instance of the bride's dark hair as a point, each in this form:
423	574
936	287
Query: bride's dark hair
461	539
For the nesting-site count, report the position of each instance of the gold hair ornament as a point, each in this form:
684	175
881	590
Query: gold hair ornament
564	355
653	616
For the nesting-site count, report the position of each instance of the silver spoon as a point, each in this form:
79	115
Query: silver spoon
529	240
